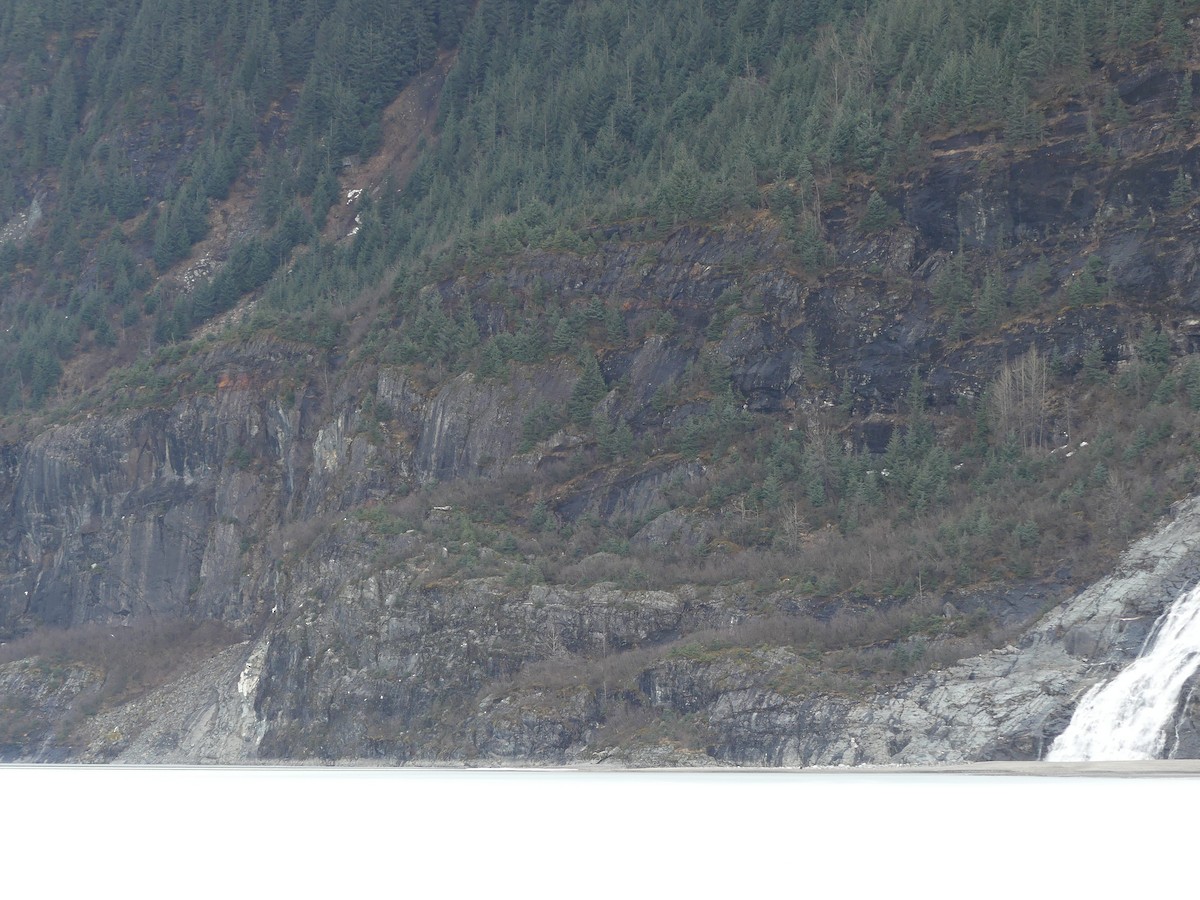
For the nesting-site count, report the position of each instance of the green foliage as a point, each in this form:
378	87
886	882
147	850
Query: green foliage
1023	123
615	441
542	421
95	120
1026	534
554	116
660	107
1094	368
990	302
951	285
1191	382
1181	190
383	521
540	518
1183	106
324	195
588	391
809	242
1085	288
879	216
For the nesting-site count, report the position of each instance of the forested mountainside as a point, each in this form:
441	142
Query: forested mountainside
673	382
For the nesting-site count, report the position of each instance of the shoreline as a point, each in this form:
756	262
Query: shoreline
1163	768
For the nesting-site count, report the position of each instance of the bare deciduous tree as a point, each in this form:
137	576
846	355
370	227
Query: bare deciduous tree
1017	401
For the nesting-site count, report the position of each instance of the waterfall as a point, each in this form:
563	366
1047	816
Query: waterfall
1127	717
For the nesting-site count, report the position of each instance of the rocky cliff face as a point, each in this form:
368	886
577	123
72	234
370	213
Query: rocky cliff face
382	671
1008	703
253	483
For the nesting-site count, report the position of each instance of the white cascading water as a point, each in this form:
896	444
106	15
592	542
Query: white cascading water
1127	717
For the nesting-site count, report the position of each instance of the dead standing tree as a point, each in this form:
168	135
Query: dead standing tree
1017	401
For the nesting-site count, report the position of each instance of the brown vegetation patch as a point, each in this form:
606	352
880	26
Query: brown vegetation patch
408	124
129	660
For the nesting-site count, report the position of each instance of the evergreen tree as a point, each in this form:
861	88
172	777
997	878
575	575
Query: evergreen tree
879	215
1183	106
1181	190
588	391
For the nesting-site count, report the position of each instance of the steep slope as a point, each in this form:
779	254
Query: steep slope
743	480
689	708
